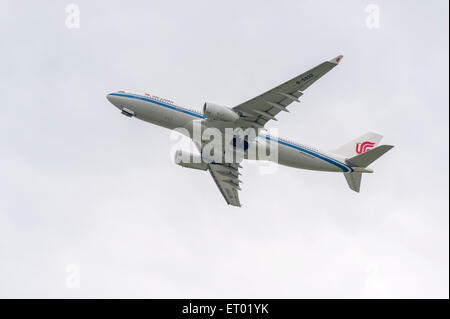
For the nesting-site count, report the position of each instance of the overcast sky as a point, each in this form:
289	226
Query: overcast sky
91	204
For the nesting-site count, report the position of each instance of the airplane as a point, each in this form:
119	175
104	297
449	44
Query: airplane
352	159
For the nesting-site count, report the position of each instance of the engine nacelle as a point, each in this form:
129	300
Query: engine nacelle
222	113
189	160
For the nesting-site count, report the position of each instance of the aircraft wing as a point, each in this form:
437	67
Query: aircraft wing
226	177
263	108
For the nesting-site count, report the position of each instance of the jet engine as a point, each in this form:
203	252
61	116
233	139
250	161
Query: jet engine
189	160
222	113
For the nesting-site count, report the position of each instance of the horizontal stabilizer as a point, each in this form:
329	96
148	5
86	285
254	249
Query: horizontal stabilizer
353	180
366	158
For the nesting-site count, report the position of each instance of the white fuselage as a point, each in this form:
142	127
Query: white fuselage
166	114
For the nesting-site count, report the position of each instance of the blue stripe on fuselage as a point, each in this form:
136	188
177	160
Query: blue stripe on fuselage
173	107
330	160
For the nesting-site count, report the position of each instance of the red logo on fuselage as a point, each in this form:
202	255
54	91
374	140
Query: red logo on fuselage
363	147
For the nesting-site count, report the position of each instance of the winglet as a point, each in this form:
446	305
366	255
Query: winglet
336	60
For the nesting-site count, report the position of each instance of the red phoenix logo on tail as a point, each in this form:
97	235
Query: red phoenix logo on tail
363	147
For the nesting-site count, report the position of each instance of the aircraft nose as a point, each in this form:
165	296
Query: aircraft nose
113	99
110	98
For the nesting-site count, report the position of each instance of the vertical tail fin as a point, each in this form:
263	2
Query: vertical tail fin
359	145
359	154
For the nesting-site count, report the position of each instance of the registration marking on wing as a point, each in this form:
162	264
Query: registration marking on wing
305	78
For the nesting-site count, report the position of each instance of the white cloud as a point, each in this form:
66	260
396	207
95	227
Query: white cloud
81	184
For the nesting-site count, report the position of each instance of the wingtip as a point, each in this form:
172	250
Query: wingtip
337	59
